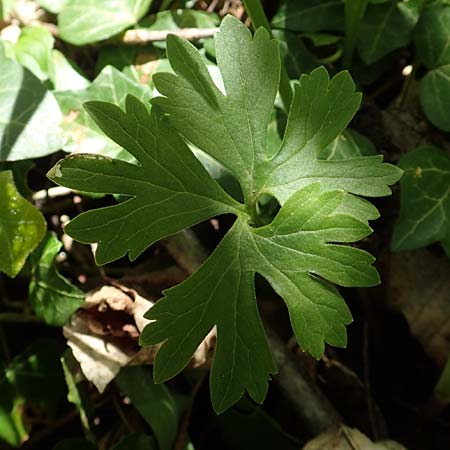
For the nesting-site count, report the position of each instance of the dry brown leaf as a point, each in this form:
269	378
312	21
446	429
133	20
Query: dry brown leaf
345	438
104	334
419	287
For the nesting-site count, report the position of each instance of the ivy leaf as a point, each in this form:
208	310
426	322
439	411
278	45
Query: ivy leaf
300	252
30	116
350	144
53	298
433	34
54	6
81	132
434	91
384	28
85	21
34	50
425	200
310	15
22	226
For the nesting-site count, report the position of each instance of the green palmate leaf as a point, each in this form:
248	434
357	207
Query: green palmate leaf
86	21
53	298
168	191
385	28
81	132
30	116
432	35
434	90
155	403
299	252
310	15
425	200
22	226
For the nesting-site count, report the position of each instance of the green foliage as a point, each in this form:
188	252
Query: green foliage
76	392
34	50
350	144
81	132
33	379
30	115
6	6
310	15
22	226
435	96
385	27
154	402
425	200
432	37
53	298
86	21
298	253
354	12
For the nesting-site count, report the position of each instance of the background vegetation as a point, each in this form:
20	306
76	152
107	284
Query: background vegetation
72	374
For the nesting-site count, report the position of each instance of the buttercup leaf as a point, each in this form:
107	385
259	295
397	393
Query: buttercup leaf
301	252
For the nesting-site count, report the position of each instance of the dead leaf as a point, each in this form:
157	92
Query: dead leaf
104	333
419	288
345	438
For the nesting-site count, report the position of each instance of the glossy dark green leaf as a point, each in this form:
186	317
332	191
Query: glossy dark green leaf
432	35
425	200
34	378
434	90
22	226
154	402
77	393
53	298
385	28
310	15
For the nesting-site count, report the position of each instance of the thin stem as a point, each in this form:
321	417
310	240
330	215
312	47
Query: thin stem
258	17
